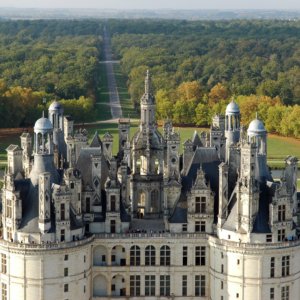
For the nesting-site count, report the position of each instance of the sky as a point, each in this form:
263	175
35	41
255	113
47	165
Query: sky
155	4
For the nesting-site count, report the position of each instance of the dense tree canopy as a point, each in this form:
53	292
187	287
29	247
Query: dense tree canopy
46	60
259	60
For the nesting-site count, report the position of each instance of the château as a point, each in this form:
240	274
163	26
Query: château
81	223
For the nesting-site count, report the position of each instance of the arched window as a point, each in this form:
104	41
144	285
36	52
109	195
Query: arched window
135	256
165	256
150	256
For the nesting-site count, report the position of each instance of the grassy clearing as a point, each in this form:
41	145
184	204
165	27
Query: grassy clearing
102	104
127	106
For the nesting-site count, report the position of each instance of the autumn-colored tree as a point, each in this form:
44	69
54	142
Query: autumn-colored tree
164	106
217	93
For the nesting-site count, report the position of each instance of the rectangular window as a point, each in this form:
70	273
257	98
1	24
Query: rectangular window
4	291
222	285
66	288
269	238
165	256
66	257
184	227
66	272
285	266
272	267
202	226
150	256
184	255
197	226
272	294
281	213
200	205
150	285
281	235
3	263
135	285
9	208
62	211
164	285
88	205
62	235
200	285
200	256
285	293
113	226
184	285
112	202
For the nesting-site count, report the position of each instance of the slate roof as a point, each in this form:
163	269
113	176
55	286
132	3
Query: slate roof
207	159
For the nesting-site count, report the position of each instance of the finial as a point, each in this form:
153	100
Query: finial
43	115
256	116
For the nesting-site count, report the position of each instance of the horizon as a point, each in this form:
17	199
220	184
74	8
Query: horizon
148	5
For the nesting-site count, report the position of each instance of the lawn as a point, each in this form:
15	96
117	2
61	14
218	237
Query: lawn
102	104
127	106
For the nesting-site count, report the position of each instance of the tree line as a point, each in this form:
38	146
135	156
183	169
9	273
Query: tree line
47	60
198	66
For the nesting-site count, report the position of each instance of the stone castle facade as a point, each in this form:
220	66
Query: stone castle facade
148	223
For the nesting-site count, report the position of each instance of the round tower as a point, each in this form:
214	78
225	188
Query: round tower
257	134
232	125
43	151
56	115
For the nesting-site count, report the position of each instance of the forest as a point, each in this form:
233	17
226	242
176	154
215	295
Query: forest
45	60
198	66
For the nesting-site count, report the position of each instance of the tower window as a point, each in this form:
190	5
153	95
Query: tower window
200	205
281	235
285	266
200	285
281	213
184	255
285	293
272	294
184	285
3	263
113	226
62	235
272	267
112	202
66	287
200	256
62	211
4	291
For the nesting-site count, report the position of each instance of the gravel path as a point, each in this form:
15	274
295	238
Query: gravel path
115	106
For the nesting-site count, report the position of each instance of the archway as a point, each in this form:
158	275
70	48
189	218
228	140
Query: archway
99	286
100	256
118	286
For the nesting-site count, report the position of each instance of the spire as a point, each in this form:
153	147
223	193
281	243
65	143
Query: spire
148	83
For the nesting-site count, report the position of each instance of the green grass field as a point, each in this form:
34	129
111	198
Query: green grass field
102	104
127	106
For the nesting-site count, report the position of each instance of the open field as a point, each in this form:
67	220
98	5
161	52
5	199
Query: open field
102	104
127	106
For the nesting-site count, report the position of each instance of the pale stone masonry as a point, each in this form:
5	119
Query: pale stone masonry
148	223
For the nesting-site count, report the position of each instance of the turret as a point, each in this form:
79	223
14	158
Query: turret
148	121
232	126
257	134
